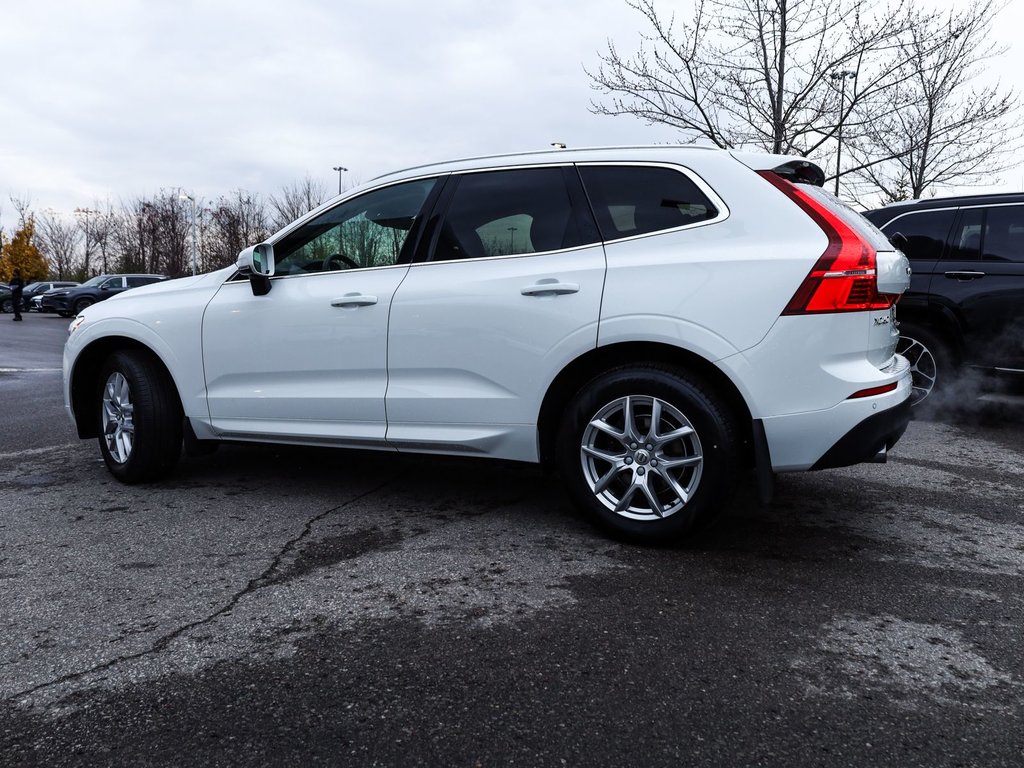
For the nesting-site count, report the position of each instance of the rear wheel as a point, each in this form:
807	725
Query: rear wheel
648	451
932	365
139	418
7	306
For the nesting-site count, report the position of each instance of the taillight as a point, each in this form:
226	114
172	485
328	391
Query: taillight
843	278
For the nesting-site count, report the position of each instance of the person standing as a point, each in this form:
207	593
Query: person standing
16	285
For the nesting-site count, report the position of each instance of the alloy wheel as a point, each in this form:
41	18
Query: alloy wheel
118	417
923	370
641	457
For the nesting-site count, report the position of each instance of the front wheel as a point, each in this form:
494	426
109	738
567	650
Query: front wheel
139	418
648	452
82	304
7	306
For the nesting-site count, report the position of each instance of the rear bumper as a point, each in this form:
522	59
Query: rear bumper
871	437
853	431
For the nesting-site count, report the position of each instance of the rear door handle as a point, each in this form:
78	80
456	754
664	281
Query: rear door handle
353	300
549	288
965	275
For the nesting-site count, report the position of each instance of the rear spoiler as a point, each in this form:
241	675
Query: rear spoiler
794	169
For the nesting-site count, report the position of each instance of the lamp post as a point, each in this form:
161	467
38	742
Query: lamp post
85	213
185	196
340	169
841	75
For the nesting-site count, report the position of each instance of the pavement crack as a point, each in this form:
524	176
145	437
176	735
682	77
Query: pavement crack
269	577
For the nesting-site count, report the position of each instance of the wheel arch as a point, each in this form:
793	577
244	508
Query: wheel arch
87	366
594	362
943	320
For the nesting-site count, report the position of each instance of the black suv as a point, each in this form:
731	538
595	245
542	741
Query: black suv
965	306
38	289
97	289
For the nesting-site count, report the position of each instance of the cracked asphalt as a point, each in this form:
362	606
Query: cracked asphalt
272	606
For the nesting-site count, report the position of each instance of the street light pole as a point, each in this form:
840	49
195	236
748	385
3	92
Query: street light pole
340	169
842	76
85	213
185	196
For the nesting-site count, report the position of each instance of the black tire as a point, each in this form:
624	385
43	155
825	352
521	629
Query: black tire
82	304
707	458
932	362
62	313
7	306
155	417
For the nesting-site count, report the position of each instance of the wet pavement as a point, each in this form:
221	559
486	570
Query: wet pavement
271	605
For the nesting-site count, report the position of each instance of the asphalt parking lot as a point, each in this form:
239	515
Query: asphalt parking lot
271	606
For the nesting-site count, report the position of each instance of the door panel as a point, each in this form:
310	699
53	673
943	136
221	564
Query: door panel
981	280
473	346
307	361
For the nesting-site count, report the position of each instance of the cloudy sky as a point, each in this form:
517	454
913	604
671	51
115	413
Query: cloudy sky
113	99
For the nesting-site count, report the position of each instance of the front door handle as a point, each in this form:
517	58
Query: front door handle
549	288
353	300
965	275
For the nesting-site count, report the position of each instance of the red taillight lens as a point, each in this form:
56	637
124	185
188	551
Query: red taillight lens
843	279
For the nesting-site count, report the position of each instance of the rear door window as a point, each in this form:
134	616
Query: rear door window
925	231
511	213
637	200
1004	234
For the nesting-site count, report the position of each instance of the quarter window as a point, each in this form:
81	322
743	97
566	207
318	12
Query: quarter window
637	200
367	231
507	213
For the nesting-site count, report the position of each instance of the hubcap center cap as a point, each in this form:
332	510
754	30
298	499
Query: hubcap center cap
642	457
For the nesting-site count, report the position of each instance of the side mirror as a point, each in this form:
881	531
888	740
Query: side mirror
257	262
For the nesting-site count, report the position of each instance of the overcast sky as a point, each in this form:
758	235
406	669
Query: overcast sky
113	99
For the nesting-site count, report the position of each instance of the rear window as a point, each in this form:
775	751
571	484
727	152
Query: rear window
638	200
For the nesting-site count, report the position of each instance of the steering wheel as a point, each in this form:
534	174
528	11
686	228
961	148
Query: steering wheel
331	263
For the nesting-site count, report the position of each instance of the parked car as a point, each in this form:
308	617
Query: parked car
39	288
99	288
648	321
965	305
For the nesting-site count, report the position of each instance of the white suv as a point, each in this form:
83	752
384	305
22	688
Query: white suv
650	321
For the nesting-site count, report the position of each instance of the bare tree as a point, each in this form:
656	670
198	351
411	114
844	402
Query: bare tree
58	240
811	77
23	207
757	72
944	130
236	222
297	200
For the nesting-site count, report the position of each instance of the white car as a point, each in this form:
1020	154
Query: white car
651	321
